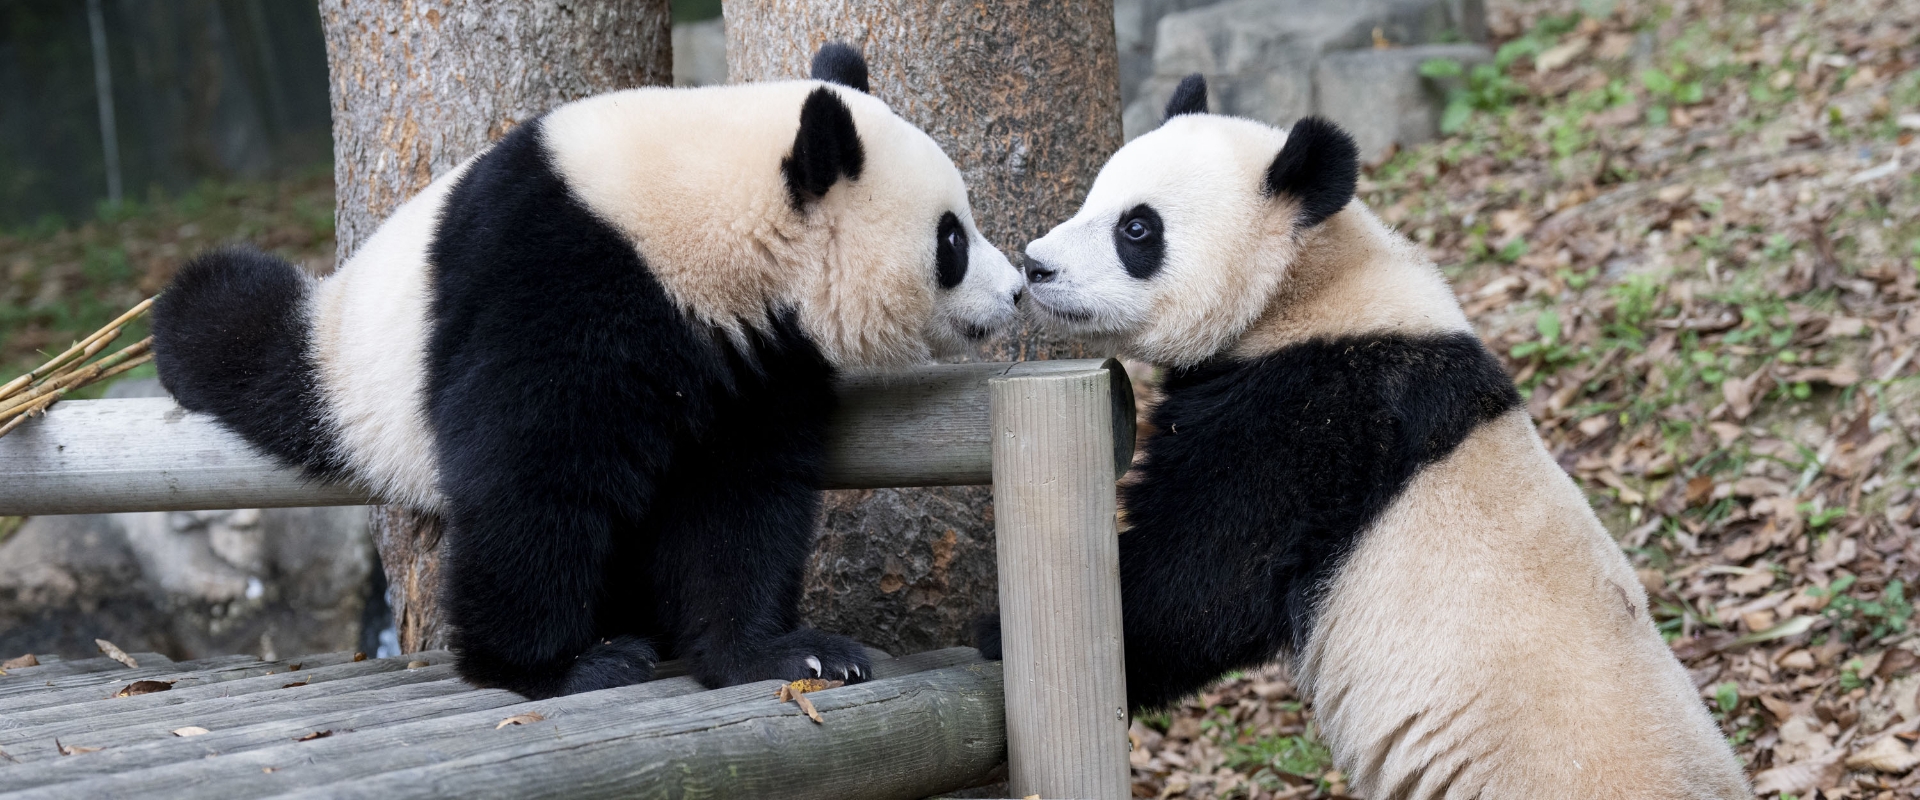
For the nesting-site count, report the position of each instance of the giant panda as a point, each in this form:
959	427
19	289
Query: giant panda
1345	477
602	350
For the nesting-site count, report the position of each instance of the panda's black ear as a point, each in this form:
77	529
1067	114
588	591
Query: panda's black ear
1319	166
826	148
1190	97
838	62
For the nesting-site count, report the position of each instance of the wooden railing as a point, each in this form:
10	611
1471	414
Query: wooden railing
1050	436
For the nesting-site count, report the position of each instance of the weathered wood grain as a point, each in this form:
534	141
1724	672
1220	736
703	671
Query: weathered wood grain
77	688
125	751
914	427
356	754
907	737
25	710
35	739
1053	475
37	676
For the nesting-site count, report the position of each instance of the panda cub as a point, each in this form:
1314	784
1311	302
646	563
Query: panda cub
1343	475
603	352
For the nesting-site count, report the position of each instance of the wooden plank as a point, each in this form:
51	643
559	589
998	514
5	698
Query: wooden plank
347	756
918	427
34	694
1058	551
32	741
32	709
906	737
125	750
37	676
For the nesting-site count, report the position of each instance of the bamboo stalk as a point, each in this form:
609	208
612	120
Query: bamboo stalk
112	329
35	391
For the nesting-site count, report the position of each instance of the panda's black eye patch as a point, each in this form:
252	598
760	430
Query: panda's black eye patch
1140	241
950	251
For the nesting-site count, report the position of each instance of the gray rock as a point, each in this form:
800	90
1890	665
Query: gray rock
1382	99
1136	25
187	584
1260	56
700	53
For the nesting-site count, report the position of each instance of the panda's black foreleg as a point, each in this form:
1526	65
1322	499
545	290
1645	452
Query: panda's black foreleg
734	522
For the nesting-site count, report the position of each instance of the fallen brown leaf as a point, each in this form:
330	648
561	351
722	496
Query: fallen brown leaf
190	730
806	706
73	750
1888	755
115	653
301	682
314	735
358	657
8	756
416	664
1801	777
20	662
138	688
520	719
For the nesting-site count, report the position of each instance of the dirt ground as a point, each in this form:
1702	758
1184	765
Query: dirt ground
1690	229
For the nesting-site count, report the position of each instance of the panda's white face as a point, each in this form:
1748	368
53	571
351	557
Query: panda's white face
870	239
905	242
1176	250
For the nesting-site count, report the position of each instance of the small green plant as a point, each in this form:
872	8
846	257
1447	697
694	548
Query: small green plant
1548	348
1868	619
1301	755
1726	698
1666	90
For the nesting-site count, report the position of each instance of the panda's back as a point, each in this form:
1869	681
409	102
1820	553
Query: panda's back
371	328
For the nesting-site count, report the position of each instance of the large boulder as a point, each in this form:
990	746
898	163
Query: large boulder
1263	60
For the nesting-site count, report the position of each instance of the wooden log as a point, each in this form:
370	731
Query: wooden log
288	766
37	676
194	709
131	749
907	737
1053	497
24	710
73	688
918	427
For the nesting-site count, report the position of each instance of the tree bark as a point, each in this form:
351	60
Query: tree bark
418	86
1024	96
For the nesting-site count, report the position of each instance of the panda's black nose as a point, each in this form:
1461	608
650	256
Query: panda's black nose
1038	272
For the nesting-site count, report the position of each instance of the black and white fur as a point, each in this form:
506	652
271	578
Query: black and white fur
602	350
1344	476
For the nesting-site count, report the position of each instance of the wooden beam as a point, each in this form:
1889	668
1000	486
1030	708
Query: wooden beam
926	426
928	723
1053	499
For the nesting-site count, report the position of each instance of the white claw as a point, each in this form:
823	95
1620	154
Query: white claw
814	664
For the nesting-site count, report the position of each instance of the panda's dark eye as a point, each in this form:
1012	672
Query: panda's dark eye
950	251
955	239
1140	240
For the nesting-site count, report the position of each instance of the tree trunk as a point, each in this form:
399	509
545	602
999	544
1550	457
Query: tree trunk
420	85
1024	96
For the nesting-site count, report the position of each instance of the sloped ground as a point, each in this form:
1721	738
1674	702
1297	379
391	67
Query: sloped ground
1690	229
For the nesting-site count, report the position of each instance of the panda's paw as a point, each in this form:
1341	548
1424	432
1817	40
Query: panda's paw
803	653
621	661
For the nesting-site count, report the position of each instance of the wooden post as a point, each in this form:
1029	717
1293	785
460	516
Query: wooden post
1059	558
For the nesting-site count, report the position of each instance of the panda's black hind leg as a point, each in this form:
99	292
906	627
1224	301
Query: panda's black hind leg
620	661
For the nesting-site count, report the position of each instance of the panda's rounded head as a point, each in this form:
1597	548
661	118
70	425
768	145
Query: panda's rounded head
807	196
904	245
1189	230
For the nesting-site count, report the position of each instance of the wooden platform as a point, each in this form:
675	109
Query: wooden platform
331	726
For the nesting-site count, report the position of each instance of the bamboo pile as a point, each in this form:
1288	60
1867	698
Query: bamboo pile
33	392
